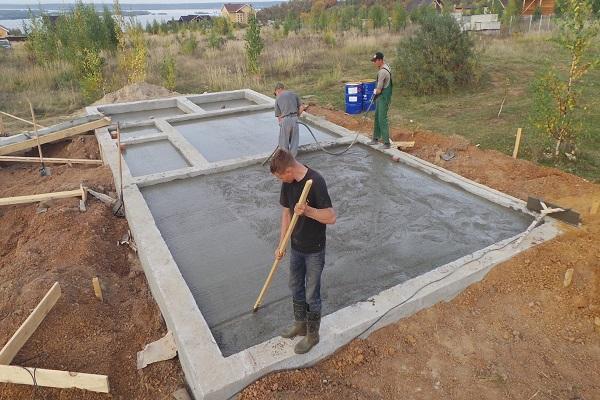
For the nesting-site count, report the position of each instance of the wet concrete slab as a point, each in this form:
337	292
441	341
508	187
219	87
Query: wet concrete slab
394	223
138	116
239	135
130	133
152	157
225	104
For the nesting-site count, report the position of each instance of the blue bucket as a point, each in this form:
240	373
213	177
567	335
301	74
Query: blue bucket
354	97
368	90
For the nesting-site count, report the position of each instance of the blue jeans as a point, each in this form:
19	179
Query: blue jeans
305	277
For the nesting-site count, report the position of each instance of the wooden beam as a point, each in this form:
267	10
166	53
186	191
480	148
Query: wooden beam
20	119
55	136
53	378
97	288
12	347
517	143
51	160
34	198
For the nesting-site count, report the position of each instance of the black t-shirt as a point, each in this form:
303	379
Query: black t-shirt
309	234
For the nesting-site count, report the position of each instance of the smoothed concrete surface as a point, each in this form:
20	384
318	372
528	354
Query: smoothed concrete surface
224	105
238	135
134	132
394	223
138	116
152	157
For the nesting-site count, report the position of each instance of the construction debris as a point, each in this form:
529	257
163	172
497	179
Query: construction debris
160	350
23	145
568	277
97	288
43	197
181	394
109	201
566	215
51	160
28	327
128	240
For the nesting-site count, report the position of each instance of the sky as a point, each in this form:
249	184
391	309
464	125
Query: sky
35	2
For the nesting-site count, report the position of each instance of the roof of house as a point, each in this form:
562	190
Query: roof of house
4	28
234	7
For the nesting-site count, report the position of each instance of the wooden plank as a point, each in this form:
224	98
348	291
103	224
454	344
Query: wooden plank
97	288
569	216
517	143
51	160
12	347
53	378
20	119
53	137
34	198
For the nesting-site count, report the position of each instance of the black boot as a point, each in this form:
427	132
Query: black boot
299	327
313	322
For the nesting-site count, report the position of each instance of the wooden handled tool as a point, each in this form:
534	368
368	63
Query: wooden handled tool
282	246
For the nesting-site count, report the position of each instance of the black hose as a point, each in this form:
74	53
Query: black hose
339	153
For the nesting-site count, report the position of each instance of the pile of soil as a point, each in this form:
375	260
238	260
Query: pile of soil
519	333
58	243
135	92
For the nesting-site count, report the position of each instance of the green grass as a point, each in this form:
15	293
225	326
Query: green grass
311	65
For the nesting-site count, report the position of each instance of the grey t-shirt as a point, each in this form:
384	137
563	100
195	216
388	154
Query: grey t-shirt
383	77
287	103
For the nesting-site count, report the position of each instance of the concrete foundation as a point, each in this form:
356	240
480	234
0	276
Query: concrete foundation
408	235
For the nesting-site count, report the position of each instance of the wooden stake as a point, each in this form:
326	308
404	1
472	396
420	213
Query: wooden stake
51	160
10	350
97	288
20	119
53	378
120	161
283	245
37	138
595	206
1	126
517	143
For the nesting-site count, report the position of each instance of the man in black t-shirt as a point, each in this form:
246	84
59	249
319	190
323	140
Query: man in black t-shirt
307	256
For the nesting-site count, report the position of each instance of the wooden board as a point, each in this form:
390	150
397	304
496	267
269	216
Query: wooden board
10	350
34	198
53	137
517	143
53	378
51	160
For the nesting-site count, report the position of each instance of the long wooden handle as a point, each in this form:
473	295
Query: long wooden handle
120	165
283	245
36	132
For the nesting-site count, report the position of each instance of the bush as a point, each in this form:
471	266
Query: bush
438	58
214	40
168	73
189	45
254	45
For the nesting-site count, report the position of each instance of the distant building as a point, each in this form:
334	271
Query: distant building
546	7
3	32
237	12
194	18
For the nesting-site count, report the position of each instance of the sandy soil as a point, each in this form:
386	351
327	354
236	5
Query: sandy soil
518	334
65	245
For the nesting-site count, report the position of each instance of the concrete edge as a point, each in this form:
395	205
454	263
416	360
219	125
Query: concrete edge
192	156
144	139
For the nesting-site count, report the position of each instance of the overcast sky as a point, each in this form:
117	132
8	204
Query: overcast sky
35	2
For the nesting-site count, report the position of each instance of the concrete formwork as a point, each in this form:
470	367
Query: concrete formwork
209	373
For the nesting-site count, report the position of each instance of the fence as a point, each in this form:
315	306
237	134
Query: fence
530	23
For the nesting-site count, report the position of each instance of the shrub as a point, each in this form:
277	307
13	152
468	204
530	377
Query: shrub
168	73
214	40
254	45
189	45
438	58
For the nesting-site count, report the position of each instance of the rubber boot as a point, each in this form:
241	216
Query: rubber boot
299	327
313	322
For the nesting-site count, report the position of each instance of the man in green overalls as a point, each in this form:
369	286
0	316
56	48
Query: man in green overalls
382	96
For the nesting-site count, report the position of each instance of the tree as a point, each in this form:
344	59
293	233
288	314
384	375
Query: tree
254	44
556	99
399	17
378	15
512	10
168	73
438	58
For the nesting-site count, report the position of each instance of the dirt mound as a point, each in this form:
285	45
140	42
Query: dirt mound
134	92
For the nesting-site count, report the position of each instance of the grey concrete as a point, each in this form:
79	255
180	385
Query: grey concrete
136	116
394	224
222	105
238	135
151	157
210	375
142	131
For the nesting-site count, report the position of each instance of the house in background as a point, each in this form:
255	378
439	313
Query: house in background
3	32
545	6
237	12
194	18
